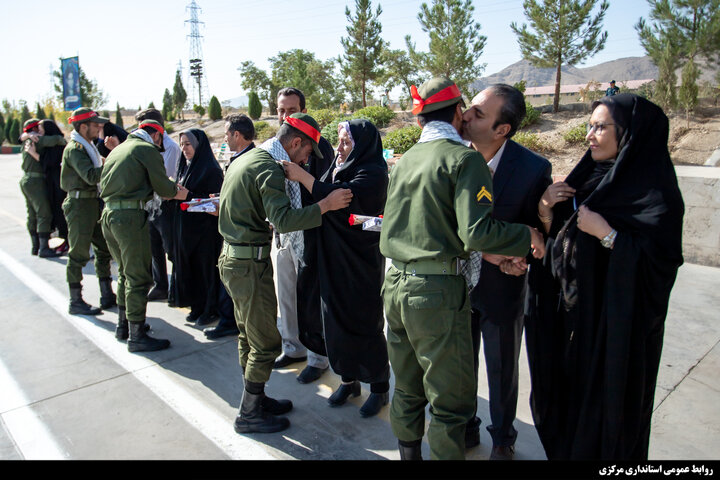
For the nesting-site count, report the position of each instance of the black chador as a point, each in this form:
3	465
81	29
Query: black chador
197	242
595	330
51	160
350	266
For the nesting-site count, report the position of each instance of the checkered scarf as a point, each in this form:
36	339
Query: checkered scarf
292	190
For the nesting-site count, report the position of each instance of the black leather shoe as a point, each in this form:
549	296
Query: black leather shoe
157	294
373	404
205	319
192	317
502	453
472	433
276	407
219	331
285	360
310	374
340	396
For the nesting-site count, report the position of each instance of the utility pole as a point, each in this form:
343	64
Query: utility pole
197	78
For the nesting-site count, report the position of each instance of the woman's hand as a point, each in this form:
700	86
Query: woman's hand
111	142
592	223
295	173
557	192
32	151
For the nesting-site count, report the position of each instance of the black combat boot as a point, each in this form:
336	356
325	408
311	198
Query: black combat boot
44	250
78	305
107	297
276	407
140	341
122	329
410	450
252	418
35	243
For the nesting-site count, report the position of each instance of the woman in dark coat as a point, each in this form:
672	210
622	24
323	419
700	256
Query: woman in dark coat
596	324
51	160
197	241
351	268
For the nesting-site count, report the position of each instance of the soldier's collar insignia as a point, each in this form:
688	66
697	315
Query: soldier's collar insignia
484	196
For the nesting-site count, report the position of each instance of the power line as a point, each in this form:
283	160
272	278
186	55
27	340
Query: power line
196	74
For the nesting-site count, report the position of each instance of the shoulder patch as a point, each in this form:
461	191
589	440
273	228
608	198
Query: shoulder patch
484	196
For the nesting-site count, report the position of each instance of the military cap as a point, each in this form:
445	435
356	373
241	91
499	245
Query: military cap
307	125
85	114
30	124
435	94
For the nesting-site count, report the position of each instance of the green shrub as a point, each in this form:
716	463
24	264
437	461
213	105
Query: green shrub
214	109
254	106
14	133
379	116
402	139
532	141
576	134
330	131
199	109
264	131
325	116
531	115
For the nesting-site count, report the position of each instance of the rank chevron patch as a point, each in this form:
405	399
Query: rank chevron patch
484	196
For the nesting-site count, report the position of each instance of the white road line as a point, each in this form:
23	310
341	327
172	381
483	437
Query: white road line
27	430
211	424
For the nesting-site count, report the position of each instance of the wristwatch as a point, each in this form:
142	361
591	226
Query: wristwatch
609	240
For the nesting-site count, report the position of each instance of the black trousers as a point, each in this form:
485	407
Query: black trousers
161	244
502	343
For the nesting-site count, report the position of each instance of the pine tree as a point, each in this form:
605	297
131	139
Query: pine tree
14	133
24	113
8	125
455	43
362	61
118	116
664	93
179	95
2	128
214	109
565	33
167	108
254	106
688	94
151	104
40	113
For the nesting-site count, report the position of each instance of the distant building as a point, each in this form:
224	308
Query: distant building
572	91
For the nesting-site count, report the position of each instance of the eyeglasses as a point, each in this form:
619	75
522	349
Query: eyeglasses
598	127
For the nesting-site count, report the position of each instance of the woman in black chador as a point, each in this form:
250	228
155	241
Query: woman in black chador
598	308
197	241
51	160
351	269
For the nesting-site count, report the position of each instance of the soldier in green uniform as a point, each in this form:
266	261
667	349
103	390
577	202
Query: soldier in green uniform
33	187
438	210
79	177
132	172
254	191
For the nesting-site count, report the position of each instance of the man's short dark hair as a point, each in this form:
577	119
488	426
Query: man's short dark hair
293	91
150	114
286	134
239	122
445	114
513	109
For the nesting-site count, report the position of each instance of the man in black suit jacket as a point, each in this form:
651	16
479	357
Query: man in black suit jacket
519	180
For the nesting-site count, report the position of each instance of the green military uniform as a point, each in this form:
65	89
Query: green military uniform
33	186
253	191
79	177
438	209
132	171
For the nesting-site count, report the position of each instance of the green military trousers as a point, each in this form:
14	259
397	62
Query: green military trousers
250	285
84	230
128	238
39	213
430	350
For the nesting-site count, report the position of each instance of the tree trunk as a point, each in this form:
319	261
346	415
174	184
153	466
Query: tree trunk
558	72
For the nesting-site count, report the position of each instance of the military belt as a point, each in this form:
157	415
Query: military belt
34	174
82	194
428	267
125	205
255	252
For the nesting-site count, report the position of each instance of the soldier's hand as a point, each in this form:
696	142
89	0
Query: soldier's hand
537	243
338	199
515	266
111	142
182	193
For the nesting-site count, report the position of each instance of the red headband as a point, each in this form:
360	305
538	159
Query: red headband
153	125
30	127
82	116
304	127
448	93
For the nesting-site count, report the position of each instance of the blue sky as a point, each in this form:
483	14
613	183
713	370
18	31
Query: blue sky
132	49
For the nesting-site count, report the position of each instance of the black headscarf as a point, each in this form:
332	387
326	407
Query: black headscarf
200	174
110	130
51	158
637	193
